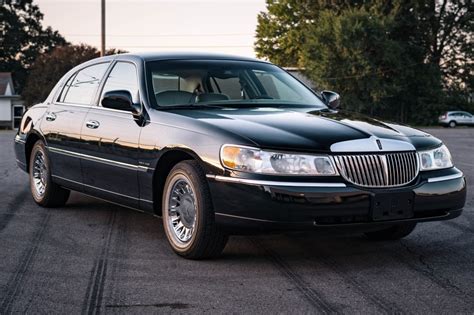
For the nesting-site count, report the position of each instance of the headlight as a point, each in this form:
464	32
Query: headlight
254	160
435	159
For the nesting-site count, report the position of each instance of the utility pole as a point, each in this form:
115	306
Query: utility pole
102	35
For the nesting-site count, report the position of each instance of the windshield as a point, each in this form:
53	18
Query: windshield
224	83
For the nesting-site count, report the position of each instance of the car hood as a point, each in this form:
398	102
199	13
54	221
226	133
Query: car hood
303	129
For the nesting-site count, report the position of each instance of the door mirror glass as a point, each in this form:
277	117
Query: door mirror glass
120	100
331	99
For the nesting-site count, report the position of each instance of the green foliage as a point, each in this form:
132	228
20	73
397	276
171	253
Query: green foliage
48	68
23	38
395	59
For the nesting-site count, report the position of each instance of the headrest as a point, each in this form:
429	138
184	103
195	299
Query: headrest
168	98
210	97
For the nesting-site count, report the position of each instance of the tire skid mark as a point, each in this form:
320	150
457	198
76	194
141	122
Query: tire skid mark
429	272
363	289
95	287
460	227
304	288
120	249
12	207
16	282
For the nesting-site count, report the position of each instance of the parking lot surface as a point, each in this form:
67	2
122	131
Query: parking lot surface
91	256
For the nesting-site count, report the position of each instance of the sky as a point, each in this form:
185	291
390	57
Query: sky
226	26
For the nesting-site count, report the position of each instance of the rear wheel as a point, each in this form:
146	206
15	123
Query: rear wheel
394	232
452	124
188	216
44	191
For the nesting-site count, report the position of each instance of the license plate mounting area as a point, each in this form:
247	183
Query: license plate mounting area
392	206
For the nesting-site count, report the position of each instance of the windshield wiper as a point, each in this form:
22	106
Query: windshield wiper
190	106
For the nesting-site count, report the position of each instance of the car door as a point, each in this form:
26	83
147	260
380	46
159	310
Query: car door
468	118
63	122
110	163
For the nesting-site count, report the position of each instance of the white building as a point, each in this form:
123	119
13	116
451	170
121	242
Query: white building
11	107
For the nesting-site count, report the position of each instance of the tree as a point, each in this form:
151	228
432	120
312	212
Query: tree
23	38
352	53
398	59
48	68
450	39
282	30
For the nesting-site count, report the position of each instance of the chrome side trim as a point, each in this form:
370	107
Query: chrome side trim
101	189
20	141
101	160
244	218
20	162
93	187
443	178
257	182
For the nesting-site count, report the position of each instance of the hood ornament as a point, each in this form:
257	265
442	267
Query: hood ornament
379	144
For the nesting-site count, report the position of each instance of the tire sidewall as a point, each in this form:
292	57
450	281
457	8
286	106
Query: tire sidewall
187	171
40	147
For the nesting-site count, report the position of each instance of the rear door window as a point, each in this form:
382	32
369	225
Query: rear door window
81	87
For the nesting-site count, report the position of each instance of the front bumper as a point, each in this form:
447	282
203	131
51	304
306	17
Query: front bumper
258	204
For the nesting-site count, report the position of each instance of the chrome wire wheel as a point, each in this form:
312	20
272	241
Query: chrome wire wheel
181	210
40	173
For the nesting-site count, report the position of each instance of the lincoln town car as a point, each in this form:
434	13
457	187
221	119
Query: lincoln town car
218	145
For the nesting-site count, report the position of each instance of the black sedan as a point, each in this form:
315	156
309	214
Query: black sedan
219	145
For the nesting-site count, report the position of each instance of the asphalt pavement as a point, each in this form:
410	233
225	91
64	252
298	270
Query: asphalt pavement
91	257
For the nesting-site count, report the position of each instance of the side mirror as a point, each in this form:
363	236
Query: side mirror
121	100
332	99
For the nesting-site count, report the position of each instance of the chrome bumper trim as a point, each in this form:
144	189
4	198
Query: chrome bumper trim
271	183
443	178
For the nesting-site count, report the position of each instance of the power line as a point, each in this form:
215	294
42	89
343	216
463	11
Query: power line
181	46
163	35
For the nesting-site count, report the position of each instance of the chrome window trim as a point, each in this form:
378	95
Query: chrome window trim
140	168
257	182
444	178
94	107
73	104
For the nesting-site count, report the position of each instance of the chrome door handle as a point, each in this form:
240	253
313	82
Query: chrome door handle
51	116
92	124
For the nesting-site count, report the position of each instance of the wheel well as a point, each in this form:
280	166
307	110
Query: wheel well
30	142
163	168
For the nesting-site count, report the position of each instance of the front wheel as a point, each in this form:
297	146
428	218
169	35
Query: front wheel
44	191
188	216
394	232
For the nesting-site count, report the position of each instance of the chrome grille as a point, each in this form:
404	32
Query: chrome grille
378	170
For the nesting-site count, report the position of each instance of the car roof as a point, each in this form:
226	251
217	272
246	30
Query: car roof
156	56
